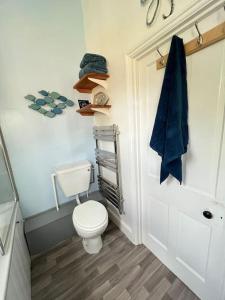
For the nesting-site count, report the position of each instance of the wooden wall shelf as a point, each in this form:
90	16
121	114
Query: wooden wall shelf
84	85
89	110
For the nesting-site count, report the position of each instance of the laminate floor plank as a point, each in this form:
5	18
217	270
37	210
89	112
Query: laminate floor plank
120	271
118	288
160	289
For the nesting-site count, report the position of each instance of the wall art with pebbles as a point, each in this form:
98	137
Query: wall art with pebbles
50	104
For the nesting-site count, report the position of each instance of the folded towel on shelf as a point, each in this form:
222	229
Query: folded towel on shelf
90	58
93	68
170	133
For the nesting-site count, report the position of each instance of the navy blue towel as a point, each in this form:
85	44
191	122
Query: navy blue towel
170	133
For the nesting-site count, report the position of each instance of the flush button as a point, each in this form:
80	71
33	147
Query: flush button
207	214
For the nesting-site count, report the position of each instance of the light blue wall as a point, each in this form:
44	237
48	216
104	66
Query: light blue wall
41	45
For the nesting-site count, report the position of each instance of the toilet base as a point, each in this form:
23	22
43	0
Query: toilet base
92	245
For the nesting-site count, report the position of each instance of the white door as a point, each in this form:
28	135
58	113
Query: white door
173	226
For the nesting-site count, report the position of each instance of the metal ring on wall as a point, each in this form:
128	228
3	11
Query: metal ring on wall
149	23
171	10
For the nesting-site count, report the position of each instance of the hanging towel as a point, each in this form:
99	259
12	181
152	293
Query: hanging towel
90	58
170	133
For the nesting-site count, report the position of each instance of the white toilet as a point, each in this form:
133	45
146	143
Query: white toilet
90	218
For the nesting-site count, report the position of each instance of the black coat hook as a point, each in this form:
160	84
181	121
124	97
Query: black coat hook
200	37
162	60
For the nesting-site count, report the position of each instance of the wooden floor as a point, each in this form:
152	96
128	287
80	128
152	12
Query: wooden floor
120	271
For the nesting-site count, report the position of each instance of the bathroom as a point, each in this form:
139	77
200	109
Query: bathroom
166	241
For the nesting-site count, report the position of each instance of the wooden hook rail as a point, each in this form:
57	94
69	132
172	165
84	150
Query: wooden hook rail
209	38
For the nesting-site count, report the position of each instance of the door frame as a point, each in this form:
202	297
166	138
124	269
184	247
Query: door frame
194	12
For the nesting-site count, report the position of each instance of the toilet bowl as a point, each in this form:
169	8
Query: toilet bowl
90	220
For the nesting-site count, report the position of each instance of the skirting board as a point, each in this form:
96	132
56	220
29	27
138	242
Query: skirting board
115	218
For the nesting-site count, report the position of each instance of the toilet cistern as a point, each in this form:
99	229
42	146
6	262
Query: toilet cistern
73	179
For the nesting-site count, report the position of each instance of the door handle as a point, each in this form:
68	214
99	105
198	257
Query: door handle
207	214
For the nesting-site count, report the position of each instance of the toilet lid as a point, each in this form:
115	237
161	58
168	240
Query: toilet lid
90	214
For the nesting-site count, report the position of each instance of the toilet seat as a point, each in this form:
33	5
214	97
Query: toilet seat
90	215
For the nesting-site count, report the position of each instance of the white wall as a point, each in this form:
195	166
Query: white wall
42	43
119	27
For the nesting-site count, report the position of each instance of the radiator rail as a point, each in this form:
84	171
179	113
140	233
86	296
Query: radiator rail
111	161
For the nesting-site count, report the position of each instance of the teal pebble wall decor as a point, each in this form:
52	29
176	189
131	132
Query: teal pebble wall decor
53	100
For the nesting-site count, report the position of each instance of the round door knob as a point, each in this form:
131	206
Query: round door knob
207	214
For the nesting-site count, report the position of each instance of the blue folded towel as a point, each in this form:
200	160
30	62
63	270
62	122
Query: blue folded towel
170	133
92	68
90	58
